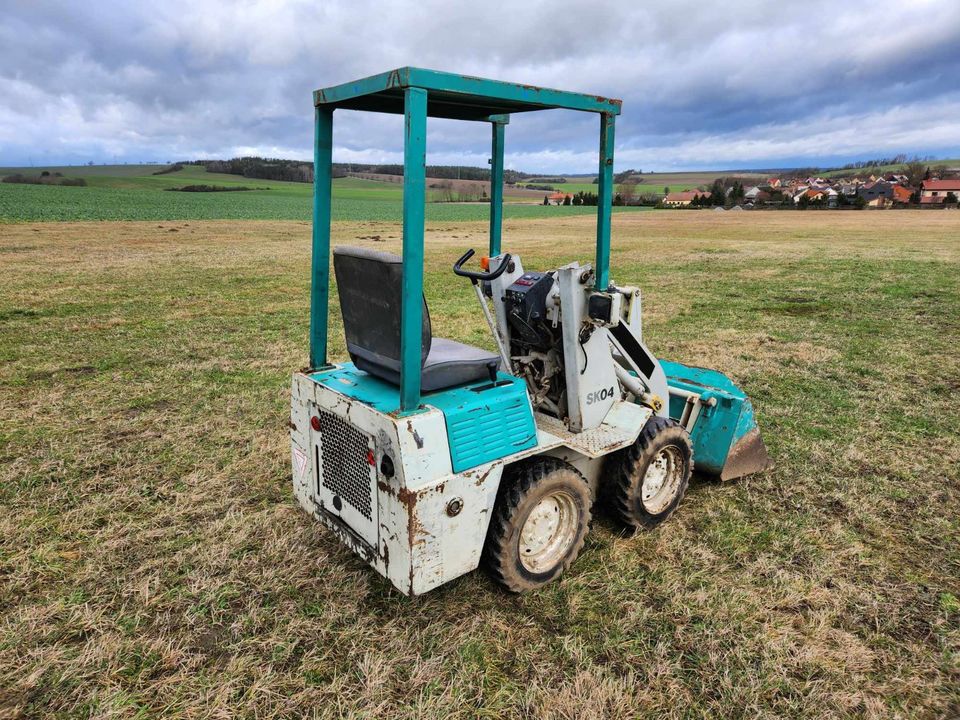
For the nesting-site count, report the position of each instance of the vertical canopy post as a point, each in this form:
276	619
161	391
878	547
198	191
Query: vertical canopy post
496	187
414	184
605	191
320	263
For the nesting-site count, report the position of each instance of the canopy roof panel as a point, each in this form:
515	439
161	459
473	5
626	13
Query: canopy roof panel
459	97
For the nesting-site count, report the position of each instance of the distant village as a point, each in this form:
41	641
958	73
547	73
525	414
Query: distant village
880	192
914	185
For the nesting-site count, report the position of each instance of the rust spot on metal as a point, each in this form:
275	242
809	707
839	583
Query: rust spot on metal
611	446
407	497
415	528
416	436
483	478
385	487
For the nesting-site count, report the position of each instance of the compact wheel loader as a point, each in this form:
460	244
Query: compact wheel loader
427	456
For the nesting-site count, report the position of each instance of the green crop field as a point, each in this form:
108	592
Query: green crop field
154	564
89	171
133	193
654	183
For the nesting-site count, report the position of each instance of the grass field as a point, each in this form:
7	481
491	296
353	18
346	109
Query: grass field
647	187
153	562
654	183
133	193
888	168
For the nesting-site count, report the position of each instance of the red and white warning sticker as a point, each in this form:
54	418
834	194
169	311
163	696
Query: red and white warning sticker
299	460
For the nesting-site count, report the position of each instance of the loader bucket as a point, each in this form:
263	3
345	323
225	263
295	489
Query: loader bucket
719	417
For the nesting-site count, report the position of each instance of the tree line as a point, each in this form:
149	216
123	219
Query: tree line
442	172
302	170
261	168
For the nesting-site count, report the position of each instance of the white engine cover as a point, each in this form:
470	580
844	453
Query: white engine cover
592	385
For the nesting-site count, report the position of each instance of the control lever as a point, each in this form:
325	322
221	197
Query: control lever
476	278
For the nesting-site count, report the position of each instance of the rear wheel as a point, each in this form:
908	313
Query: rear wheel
650	477
539	524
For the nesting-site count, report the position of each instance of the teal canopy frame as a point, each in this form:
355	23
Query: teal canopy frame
418	94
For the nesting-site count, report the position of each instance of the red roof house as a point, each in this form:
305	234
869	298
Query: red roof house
683	198
934	192
901	194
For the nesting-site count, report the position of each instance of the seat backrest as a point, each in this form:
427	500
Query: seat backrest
370	285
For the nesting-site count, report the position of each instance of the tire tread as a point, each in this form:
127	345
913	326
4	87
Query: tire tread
620	487
522	478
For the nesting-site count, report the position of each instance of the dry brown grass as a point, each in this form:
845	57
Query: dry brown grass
153	562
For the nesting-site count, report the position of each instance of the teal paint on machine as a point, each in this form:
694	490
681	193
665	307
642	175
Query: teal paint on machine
458	97
496	187
320	257
414	194
717	428
486	422
604	204
418	93
358	385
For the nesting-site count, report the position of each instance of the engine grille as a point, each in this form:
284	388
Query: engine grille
346	472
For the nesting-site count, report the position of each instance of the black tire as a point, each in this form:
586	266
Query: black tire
523	487
623	485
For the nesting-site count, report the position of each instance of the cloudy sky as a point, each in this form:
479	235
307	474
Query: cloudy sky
705	84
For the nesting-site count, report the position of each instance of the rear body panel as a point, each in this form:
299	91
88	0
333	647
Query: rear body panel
425	522
398	533
402	521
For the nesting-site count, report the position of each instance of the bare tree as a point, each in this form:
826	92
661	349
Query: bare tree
446	191
915	172
627	190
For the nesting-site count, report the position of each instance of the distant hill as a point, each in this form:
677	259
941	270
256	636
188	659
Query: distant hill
302	170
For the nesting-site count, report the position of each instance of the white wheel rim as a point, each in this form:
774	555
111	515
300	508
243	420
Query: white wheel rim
661	480
548	532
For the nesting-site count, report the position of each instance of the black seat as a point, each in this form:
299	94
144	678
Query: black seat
369	283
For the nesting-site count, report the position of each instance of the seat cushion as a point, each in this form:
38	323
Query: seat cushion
453	363
449	363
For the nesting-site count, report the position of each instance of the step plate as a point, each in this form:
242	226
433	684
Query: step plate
618	430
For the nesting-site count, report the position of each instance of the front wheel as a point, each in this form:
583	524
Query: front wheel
650	478
539	524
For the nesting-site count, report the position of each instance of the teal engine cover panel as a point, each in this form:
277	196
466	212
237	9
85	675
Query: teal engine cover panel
718	428
486	421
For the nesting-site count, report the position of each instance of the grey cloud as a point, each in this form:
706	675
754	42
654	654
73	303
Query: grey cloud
738	83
